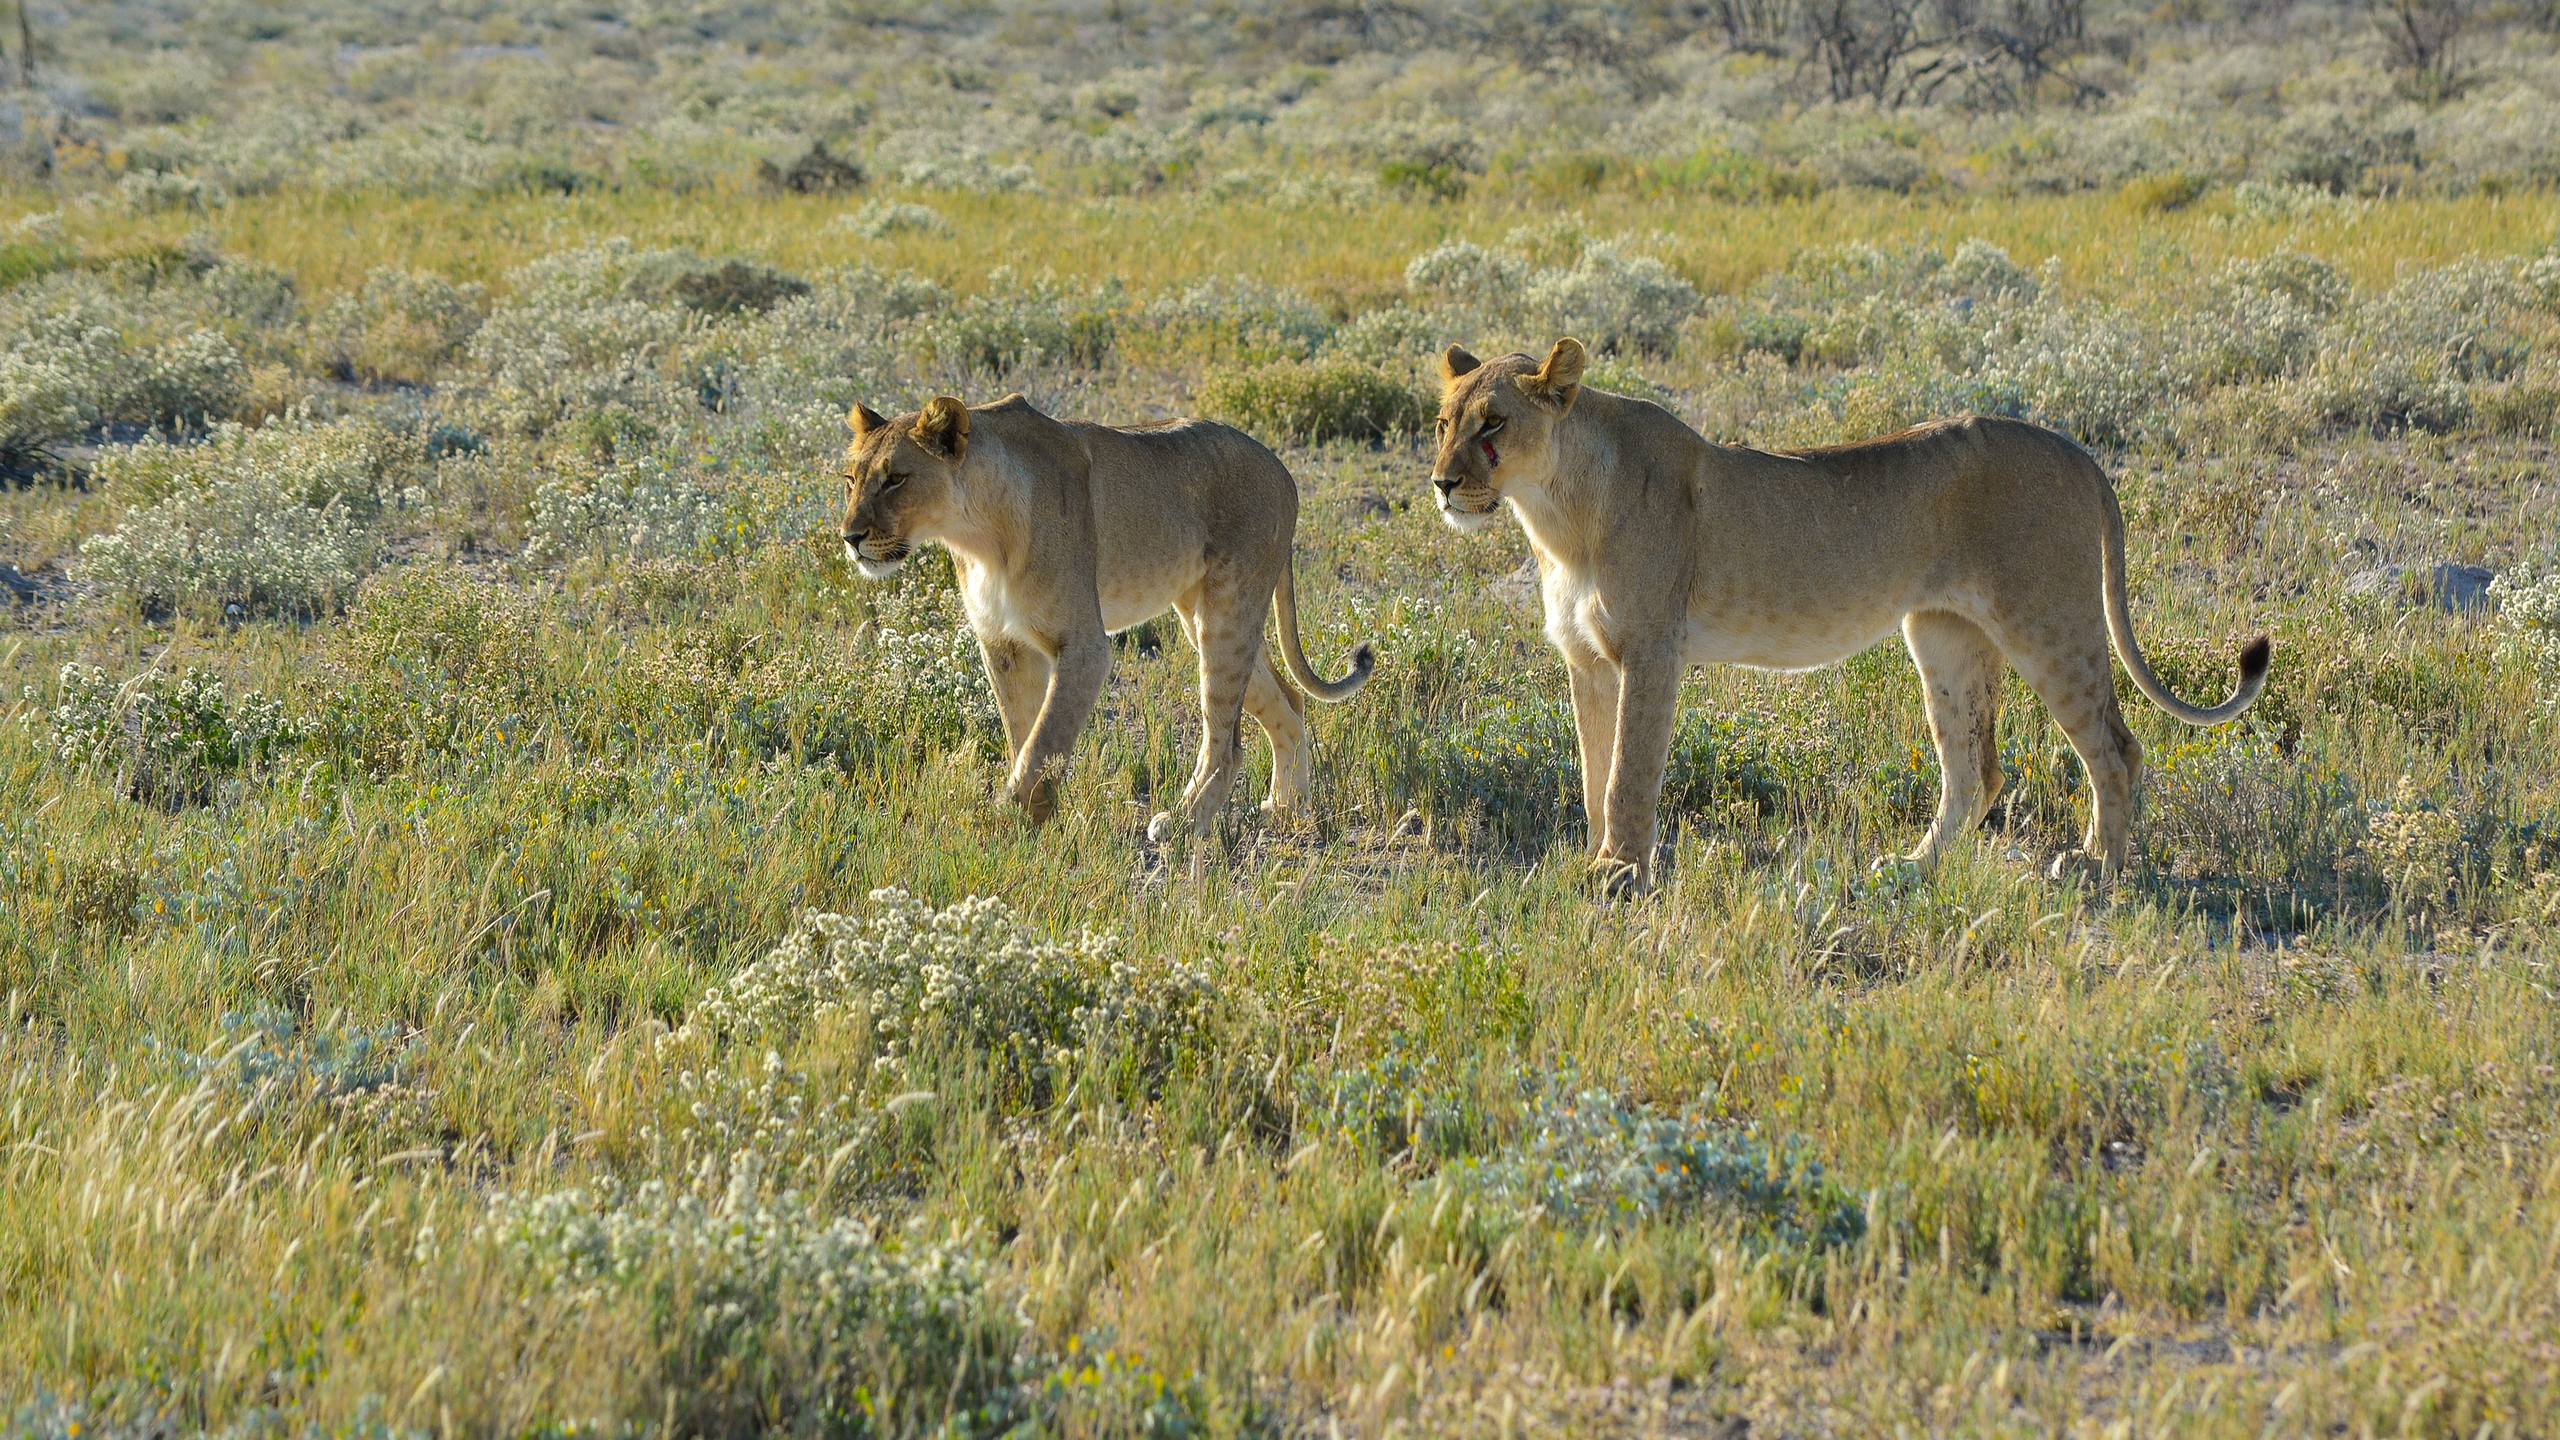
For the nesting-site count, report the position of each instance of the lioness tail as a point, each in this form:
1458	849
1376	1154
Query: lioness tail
2254	657
1284	606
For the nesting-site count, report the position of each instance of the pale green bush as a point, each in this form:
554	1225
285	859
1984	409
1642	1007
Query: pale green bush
1016	324
170	739
42	403
1610	296
1585	1157
400	326
1312	400
971	980
1613	299
148	192
1237	319
830	1313
646	509
279	520
103	355
883	218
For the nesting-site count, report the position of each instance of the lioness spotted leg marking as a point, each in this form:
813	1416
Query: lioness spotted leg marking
2081	694
1595	731
1648	705
1019	675
1960	672
1283	718
1230	641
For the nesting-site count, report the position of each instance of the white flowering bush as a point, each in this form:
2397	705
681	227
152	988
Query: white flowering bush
2268	319
2094	373
1614	299
1463	274
1609	295
2527	597
583	337
170	739
1396	337
1583	1156
972	980
148	192
1236	319
43	402
399	326
84	355
280	520
889	1331
2284	200
883	218
1016	323
643	509
1984	271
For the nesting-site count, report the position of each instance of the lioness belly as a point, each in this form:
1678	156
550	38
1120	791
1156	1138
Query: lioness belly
1792	642
997	608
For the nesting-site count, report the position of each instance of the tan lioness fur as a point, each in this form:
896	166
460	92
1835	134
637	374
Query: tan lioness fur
1063	532
1989	542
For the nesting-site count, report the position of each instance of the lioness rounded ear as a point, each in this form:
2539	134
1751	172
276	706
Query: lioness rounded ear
862	420
1560	379
1455	361
943	427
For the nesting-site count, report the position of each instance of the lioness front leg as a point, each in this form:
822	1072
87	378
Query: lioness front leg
1077	670
1595	728
1019	676
1648	702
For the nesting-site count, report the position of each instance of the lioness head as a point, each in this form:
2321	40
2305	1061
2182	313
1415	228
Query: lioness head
1497	427
899	478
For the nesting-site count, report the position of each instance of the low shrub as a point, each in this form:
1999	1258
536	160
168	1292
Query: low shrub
971	982
848	1327
1315	400
881	219
168	739
282	520
1583	1156
399	327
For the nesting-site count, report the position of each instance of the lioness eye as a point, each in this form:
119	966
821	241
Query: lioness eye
892	483
1492	425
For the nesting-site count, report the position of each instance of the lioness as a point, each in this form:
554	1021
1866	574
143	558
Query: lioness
1063	532
1986	540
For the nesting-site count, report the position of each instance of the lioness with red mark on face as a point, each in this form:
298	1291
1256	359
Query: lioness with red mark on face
1063	532
1988	542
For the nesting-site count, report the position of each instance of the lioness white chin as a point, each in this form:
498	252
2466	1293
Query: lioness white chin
1063	532
1989	542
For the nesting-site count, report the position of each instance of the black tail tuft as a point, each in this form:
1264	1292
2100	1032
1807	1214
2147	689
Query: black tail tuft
1363	660
2254	659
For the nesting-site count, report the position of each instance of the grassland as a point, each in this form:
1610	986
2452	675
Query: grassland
502	934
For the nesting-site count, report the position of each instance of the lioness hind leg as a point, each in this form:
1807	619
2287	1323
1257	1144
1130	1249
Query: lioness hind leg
1960	672
1230	646
2077	683
1282	714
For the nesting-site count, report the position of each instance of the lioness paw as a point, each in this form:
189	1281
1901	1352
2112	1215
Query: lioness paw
2077	864
1619	879
1038	799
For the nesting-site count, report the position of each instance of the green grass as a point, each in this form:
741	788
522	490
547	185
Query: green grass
2260	1142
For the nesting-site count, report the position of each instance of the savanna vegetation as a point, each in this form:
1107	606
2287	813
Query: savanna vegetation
501	934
